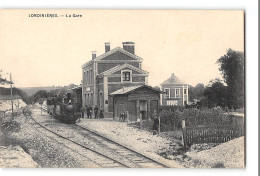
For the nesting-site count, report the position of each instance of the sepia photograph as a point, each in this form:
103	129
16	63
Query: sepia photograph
122	89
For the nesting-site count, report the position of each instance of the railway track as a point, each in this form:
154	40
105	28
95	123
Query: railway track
130	153
115	154
89	155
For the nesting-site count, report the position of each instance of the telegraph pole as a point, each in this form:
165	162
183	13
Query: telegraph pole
11	86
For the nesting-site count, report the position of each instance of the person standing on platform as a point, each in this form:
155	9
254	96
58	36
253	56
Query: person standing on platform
86	111
156	124
82	112
101	115
96	111
89	111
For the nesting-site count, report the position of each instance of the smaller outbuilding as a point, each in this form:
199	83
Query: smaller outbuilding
140	102
175	92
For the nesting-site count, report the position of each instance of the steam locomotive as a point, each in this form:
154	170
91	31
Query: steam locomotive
64	108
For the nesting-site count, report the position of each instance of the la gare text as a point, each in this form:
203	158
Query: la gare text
48	15
74	15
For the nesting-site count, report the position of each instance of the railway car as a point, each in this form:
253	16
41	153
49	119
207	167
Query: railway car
63	108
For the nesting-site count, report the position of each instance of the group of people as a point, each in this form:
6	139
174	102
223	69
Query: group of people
87	111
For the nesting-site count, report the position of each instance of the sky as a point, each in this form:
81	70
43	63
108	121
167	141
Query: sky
42	51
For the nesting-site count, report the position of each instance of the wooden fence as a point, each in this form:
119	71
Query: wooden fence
212	134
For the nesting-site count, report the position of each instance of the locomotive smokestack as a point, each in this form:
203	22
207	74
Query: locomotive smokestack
107	46
94	54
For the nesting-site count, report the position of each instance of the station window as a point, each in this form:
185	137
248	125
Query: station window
87	77
126	76
185	91
167	92
91	77
177	92
84	74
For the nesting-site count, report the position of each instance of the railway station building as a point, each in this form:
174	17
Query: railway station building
116	69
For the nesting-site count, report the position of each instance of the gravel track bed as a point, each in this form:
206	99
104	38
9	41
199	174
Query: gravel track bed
94	142
88	158
46	151
135	138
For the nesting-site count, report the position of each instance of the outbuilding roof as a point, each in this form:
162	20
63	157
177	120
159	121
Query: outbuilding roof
173	80
127	90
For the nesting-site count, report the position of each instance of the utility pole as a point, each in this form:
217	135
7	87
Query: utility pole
11	86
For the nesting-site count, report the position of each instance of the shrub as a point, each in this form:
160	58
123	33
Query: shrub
206	117
171	108
170	120
10	126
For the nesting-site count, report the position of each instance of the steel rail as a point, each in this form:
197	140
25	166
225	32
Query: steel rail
69	148
88	148
121	145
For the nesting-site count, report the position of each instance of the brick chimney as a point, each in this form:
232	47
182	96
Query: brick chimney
129	46
94	54
107	46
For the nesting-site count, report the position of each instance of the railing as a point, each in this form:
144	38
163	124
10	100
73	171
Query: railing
212	134
9	97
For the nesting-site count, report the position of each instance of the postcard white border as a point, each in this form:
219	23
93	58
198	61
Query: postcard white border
251	49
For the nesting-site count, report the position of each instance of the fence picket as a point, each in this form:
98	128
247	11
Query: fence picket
214	134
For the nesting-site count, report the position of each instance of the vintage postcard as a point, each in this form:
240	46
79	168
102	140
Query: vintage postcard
122	89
